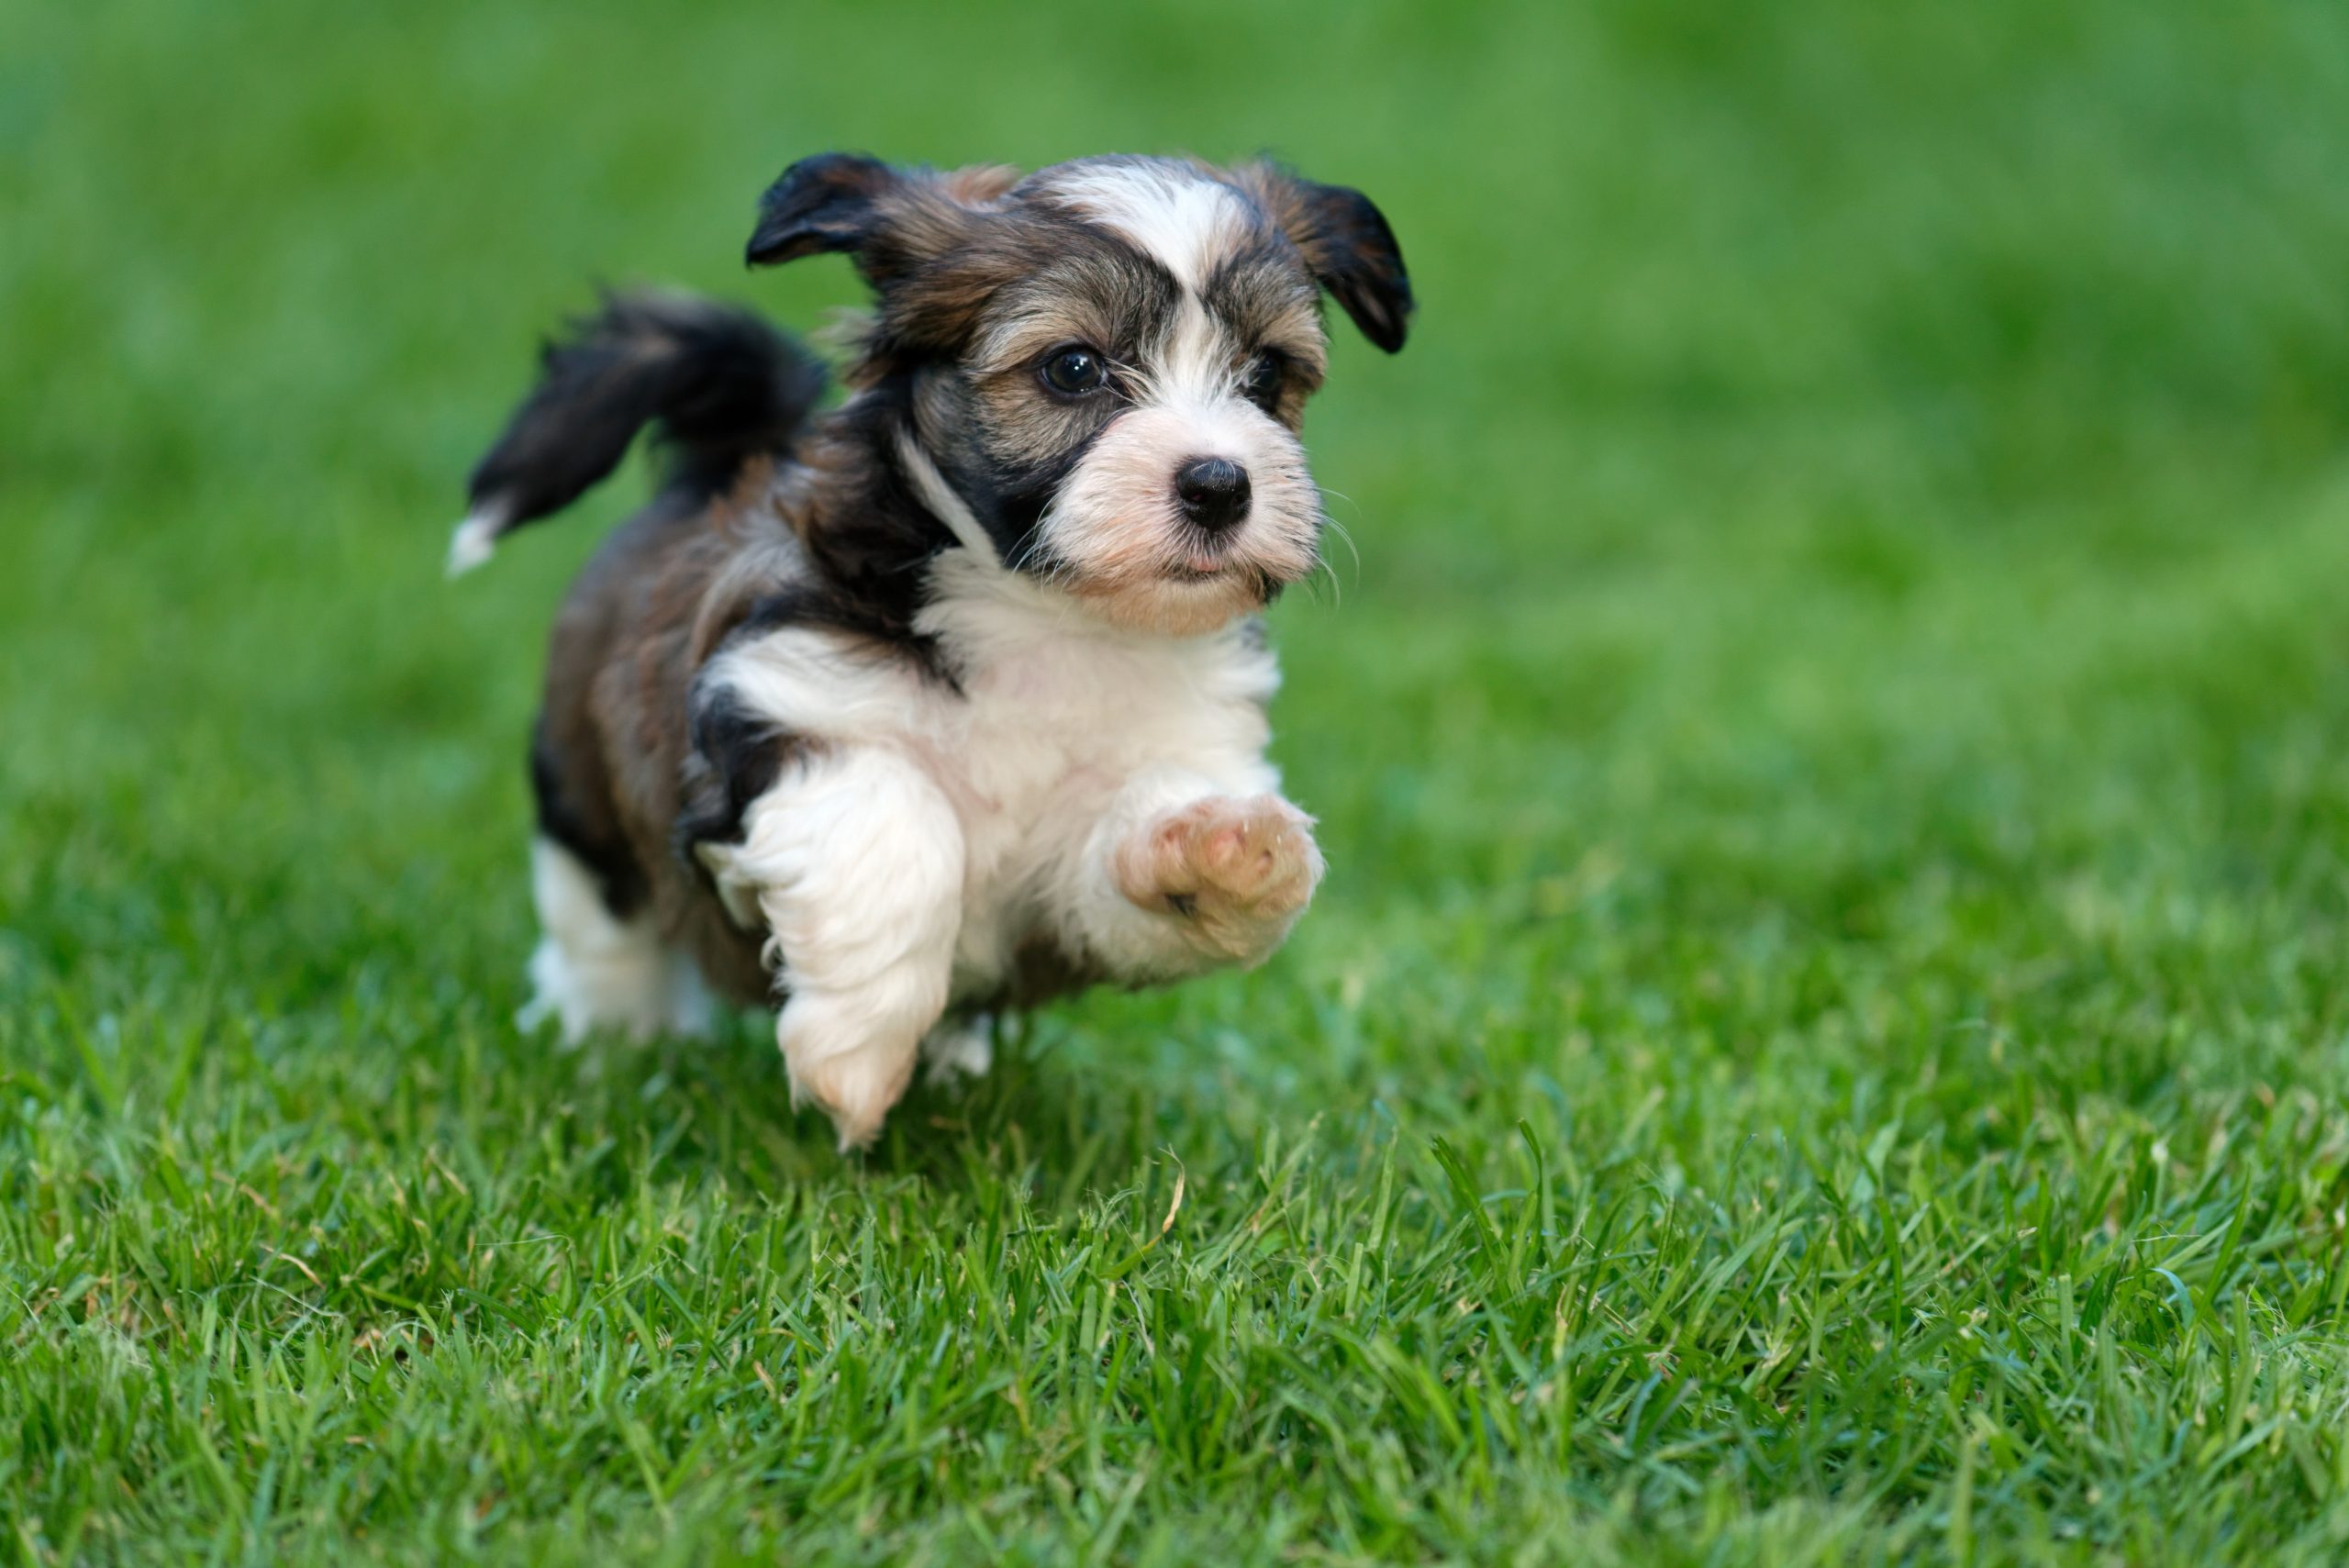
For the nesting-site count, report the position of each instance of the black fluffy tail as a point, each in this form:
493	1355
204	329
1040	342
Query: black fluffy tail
721	384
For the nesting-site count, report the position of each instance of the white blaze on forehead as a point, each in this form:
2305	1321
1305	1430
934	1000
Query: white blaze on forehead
1188	224
1185	220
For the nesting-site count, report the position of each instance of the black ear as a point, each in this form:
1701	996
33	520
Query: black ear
1355	255
1346	242
831	202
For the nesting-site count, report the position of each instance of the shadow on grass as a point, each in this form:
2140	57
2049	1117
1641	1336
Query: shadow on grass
721	1109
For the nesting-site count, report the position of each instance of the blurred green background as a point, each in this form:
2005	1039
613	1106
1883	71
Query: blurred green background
1846	654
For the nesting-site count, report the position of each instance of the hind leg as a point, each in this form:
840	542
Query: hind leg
959	1049
594	969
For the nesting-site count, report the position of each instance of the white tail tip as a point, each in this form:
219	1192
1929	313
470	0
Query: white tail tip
474	540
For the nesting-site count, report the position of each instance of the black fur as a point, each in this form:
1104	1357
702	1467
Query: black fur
734	759
599	845
880	536
1008	499
862	625
735	755
1347	245
722	386
822	204
1357	259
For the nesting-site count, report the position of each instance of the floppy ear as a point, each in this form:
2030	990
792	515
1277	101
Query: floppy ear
831	202
887	218
1347	244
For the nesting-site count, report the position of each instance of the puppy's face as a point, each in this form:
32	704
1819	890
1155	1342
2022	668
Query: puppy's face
1108	361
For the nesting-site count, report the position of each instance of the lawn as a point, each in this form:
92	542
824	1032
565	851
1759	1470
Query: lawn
1826	1037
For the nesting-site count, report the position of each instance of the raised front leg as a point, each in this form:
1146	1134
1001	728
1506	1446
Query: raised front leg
855	861
1236	873
1180	878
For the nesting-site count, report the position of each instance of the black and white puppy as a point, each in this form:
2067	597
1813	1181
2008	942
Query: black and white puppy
955	697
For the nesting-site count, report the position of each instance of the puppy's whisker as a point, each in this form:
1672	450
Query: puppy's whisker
1311	581
1346	537
1026	550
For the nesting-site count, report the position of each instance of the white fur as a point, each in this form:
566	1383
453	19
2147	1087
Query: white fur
941	500
960	1048
1067	732
1188	223
855	860
474	540
1116	517
929	833
1180	216
592	970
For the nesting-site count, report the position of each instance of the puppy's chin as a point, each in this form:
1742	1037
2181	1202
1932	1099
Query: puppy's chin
1174	605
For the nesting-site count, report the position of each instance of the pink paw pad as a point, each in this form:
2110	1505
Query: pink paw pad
1238	870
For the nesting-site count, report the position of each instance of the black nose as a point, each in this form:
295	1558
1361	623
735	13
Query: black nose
1214	492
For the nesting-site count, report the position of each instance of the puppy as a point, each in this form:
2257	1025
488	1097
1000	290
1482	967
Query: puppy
955	697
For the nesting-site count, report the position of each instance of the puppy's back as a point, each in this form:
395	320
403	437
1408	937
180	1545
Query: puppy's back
727	397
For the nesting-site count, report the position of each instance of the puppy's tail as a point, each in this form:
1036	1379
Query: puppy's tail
721	386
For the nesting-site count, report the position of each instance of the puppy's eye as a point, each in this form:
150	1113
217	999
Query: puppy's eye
1074	371
1262	385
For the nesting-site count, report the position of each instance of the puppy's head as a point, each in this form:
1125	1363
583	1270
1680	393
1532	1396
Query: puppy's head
1107	360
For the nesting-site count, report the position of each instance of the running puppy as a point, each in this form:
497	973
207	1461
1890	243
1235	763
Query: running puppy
953	698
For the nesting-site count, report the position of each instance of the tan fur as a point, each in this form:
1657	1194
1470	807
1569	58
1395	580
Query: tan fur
1243	868
639	621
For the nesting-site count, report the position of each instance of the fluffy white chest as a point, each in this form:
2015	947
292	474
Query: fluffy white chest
1054	720
1051	718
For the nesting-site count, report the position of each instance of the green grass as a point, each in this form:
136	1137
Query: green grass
1826	1037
